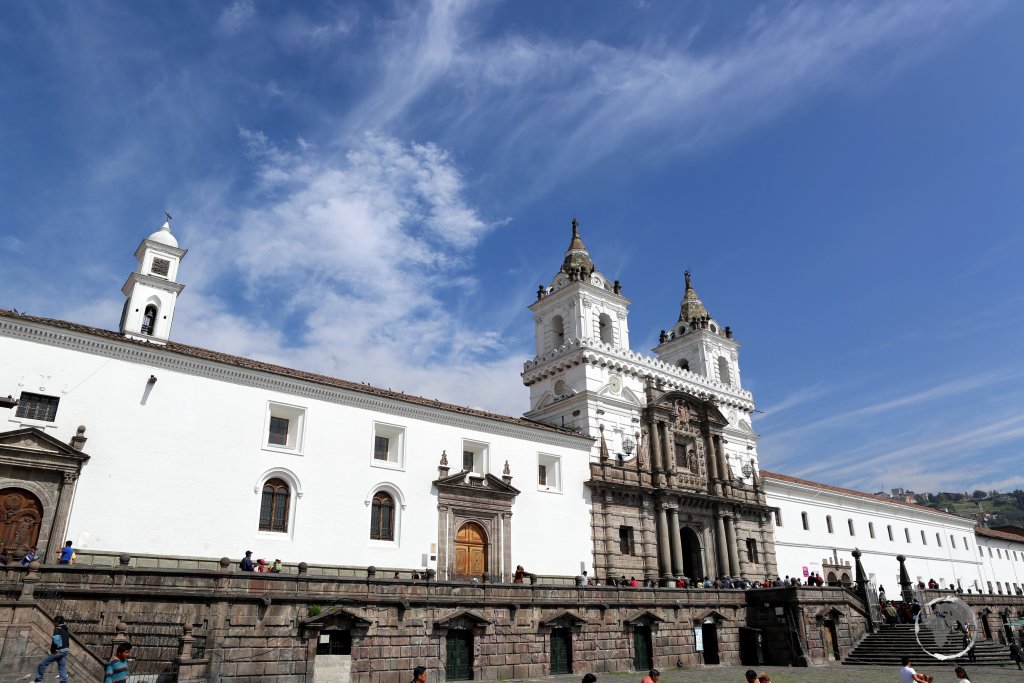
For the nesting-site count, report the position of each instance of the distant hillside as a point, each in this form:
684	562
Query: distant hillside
989	508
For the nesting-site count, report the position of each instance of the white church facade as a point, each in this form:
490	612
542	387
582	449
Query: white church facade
648	465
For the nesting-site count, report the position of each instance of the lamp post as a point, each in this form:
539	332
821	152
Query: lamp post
9	402
628	445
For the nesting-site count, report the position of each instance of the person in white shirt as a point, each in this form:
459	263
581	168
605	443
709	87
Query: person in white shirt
908	675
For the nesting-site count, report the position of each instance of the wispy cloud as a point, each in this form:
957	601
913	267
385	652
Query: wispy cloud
236	17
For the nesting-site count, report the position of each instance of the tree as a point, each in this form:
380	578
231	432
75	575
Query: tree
979	494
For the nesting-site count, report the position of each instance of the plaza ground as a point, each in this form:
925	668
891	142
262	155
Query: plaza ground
830	674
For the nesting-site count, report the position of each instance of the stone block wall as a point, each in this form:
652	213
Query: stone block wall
265	628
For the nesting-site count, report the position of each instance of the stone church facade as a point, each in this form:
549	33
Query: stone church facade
400	520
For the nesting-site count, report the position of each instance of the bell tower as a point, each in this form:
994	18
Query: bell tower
152	290
579	316
696	342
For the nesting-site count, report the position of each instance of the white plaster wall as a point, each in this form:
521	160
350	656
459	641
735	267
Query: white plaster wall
1002	563
796	548
177	468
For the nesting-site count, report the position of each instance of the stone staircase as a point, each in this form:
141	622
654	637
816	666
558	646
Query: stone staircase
890	643
25	639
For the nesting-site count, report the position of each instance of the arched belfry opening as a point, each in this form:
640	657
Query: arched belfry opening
605	330
557	332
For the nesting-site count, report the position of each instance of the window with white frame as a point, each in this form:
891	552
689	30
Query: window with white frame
388	446
474	456
871	529
284	427
889	529
778	517
924	539
906	532
37	407
549	472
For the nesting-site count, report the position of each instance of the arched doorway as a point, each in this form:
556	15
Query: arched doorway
693	558
470	550
21	515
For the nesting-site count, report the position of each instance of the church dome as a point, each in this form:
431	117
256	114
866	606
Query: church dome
576	256
164	236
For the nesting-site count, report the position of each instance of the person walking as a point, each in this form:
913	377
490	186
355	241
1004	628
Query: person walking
652	676
60	645
117	667
1015	654
961	674
419	674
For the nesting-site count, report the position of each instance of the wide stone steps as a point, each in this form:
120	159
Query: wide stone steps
891	643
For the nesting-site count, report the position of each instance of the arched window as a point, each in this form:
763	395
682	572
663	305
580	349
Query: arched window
723	371
274	506
889	529
382	517
684	364
828	523
149	319
849	523
557	332
803	518
604	323
871	529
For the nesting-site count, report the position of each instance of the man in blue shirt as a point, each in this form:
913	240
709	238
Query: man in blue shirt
60	645
65	554
117	668
247	565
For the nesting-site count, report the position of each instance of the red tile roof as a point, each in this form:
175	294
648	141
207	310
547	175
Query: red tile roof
851	492
1004	535
260	366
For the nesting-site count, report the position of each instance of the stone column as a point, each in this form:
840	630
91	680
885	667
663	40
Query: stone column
720	545
730	539
669	449
655	438
664	551
59	526
723	462
709	444
676	543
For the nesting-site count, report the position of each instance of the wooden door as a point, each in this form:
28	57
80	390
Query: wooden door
470	550
21	515
831	649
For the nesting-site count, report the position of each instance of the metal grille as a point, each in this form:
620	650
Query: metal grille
561	651
459	663
161	266
642	655
37	407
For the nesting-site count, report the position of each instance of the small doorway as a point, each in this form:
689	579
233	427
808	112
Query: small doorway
561	651
19	524
693	561
831	641
470	551
709	634
643	650
984	625
459	661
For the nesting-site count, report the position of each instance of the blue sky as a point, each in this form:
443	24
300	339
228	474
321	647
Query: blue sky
375	190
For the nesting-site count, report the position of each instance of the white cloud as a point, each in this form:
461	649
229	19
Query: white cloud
348	268
236	17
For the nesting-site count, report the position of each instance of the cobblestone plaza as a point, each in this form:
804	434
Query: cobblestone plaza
831	674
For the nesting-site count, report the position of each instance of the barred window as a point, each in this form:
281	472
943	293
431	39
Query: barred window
381	447
274	506
278	432
382	517
37	407
626	544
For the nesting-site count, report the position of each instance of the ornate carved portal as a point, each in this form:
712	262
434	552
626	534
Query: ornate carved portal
21	516
474	525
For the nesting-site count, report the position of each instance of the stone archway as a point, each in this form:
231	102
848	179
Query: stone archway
693	554
21	516
470	550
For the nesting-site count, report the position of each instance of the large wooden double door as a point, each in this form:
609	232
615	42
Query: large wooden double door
470	550
21	515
